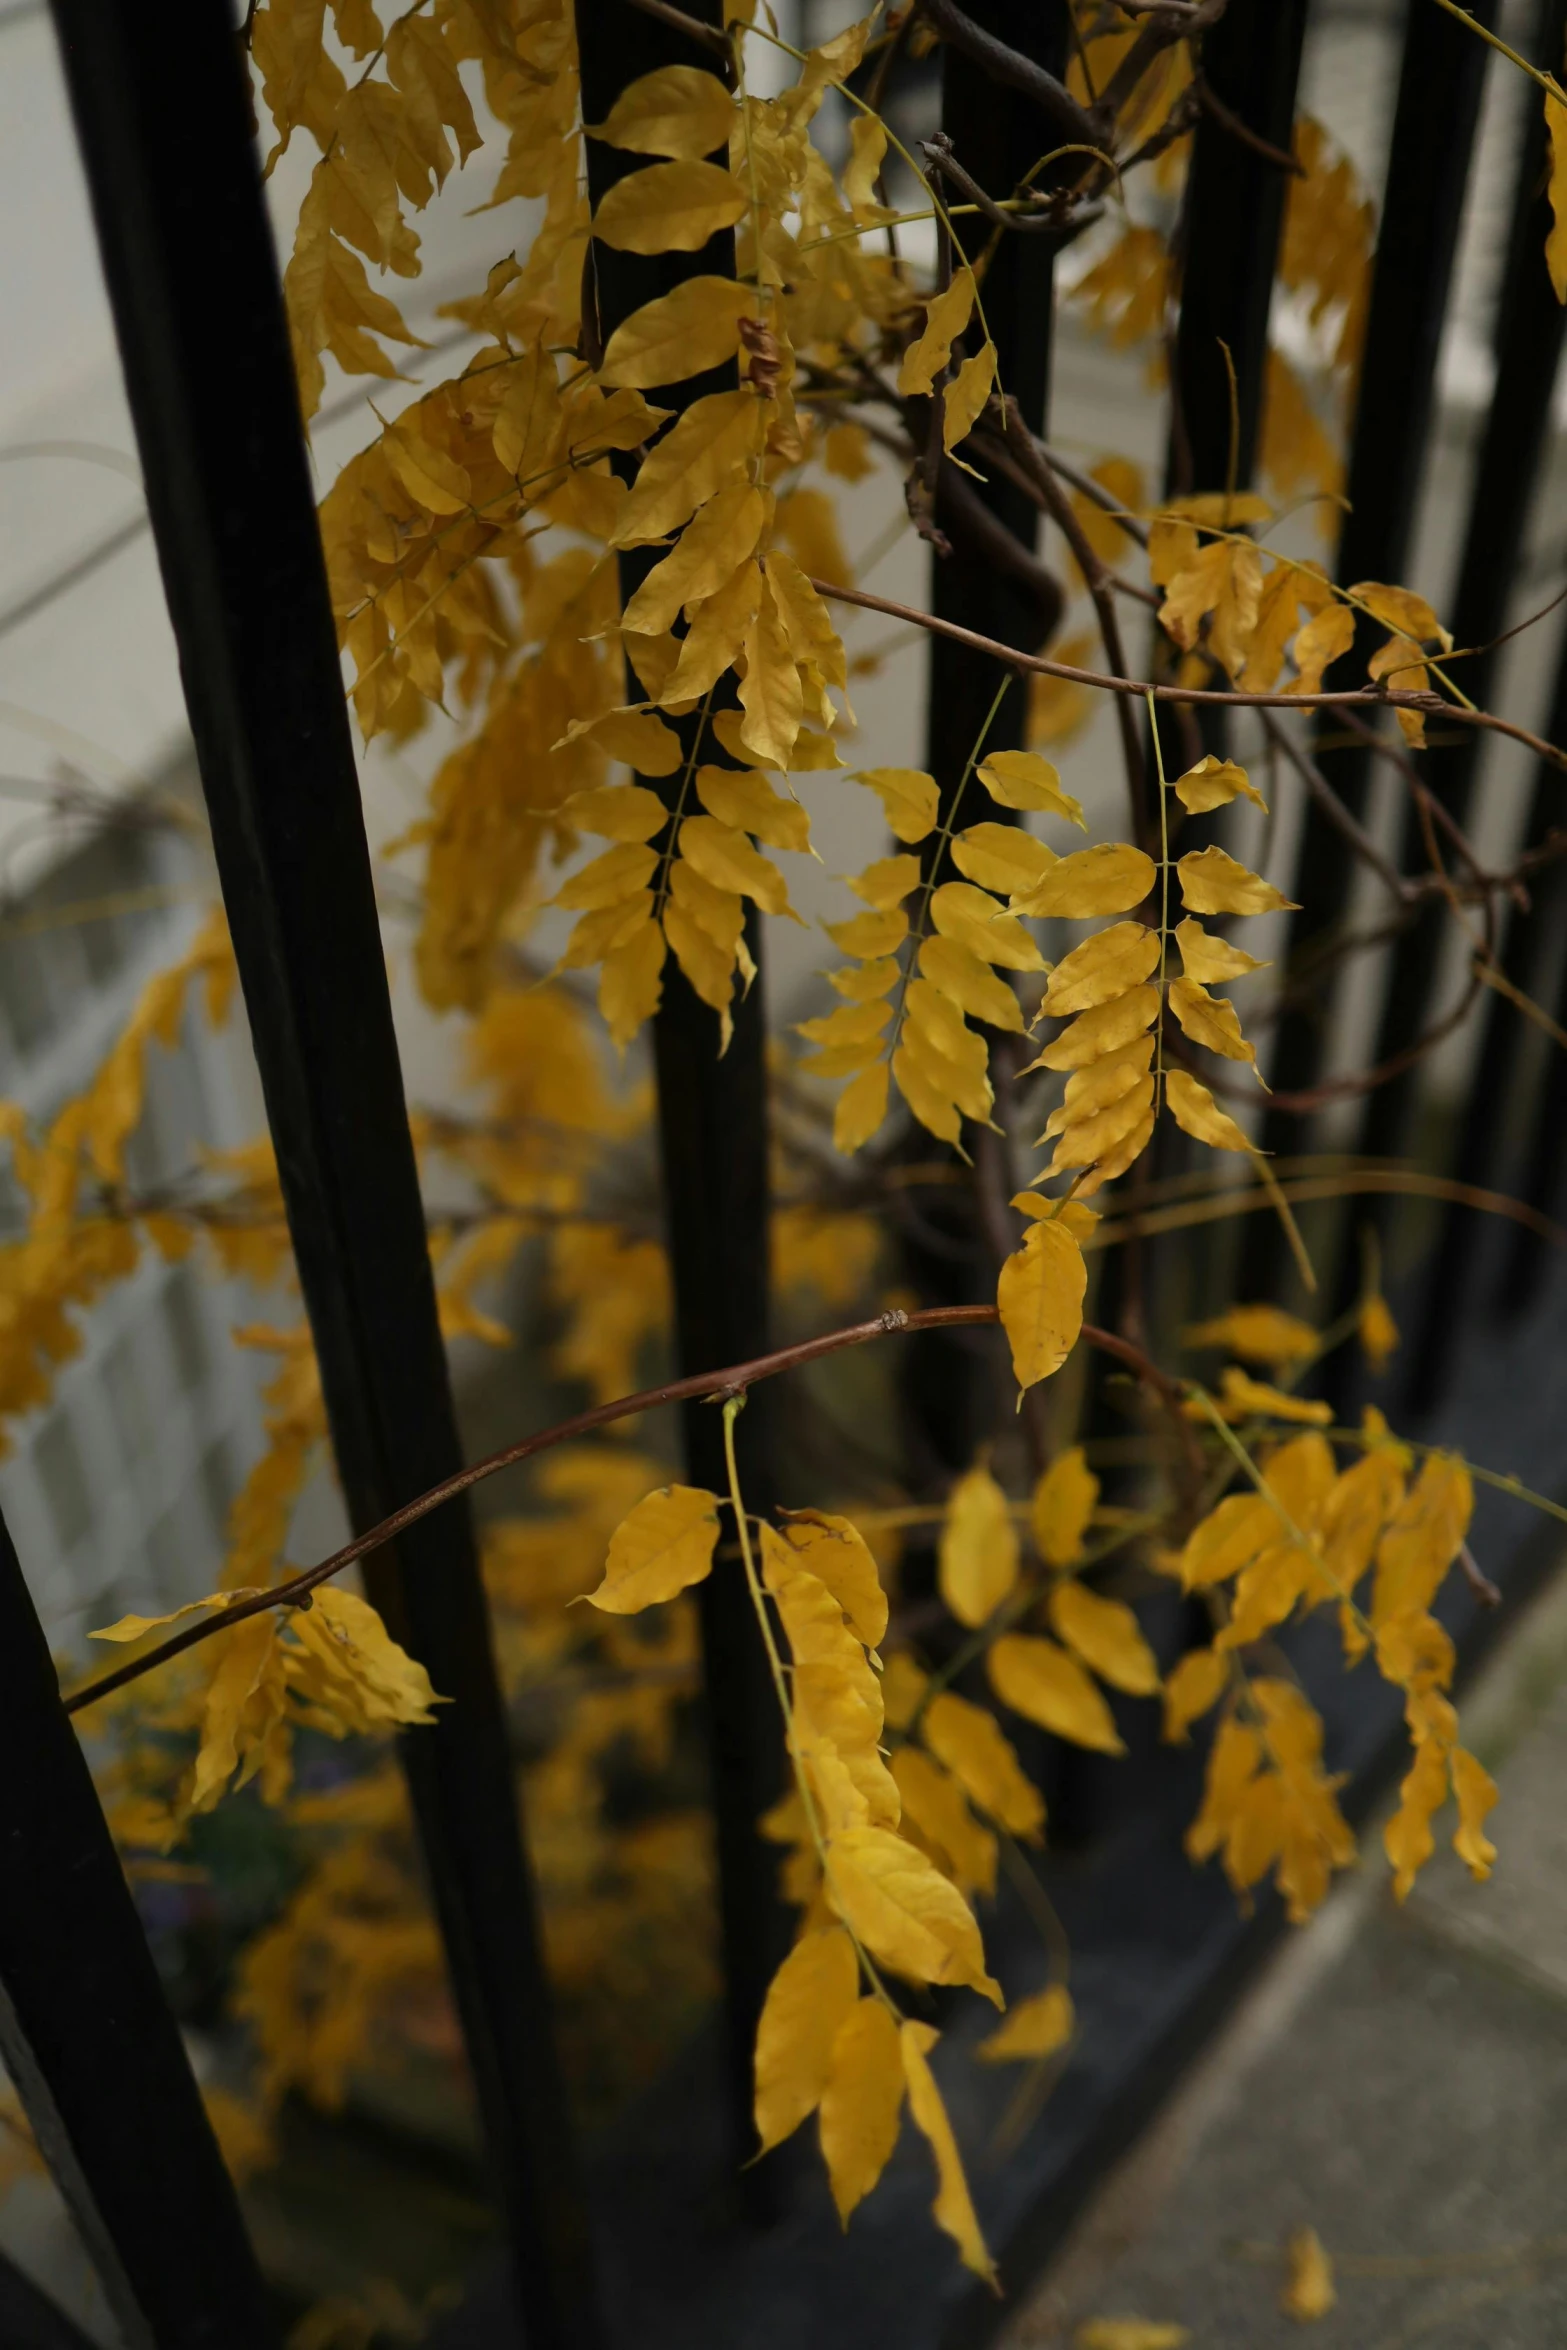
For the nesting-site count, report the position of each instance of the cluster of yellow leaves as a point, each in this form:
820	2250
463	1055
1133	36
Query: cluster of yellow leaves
387	140
1049	1681
1307	1538
328	1665
914	986
875	1896
74	1245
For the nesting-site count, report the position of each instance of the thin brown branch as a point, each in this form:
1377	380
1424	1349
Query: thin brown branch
1009	66
712	1386
1370	698
1211	103
706	36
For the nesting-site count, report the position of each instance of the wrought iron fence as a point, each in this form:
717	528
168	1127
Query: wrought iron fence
635	2252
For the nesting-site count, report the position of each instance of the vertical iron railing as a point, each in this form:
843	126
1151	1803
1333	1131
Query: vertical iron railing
163	122
1527	346
713	1141
1434	122
88	2038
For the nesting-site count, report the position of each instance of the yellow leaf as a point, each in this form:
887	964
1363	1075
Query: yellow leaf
702	450
1240	1398
1109	1138
1556	242
662	1548
1208	1020
137	1627
811	754
1214	783
981	1757
862	1105
1064	1501
1040	1294
1104	533
1130	2333
684	332
836	1552
1020	779
867	147
233	1723
979	1548
1191	1688
1103	967
1401	610
1001	857
837	1710
887	882
953	2207
977	921
1105	1634
861	2104
617	811
1231	1535
718	630
870	980
1042	1683
903	1687
747	802
1213	883
933	1804
945	319
1034	2027
1219	509
726	858
637	738
1477	1793
1323	640
909	796
1194	1109
1377	1331
1407	1838
1108	1028
807	2001
869	935
607	880
1308	2289
807	623
1223	586
630	982
356	1669
958	972
966	395
1210	960
1109	879
770	691
1258	1334
713	545
897	1902
923	1085
679	111
1423	1538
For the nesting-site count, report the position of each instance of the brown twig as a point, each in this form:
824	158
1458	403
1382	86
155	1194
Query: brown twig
713	1386
1007	65
706	36
1356	698
1211	103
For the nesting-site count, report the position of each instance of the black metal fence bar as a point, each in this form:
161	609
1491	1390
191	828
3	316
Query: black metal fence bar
29	2320
89	2040
1527	346
1230	230
1417	239
162	118
713	1138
